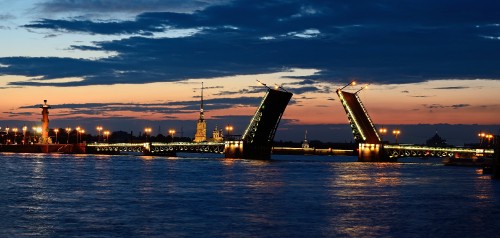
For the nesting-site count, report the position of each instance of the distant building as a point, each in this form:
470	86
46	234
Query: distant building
201	125
436	141
217	135
305	144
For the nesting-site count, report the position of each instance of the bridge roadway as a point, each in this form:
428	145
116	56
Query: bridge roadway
362	126
157	148
371	147
395	151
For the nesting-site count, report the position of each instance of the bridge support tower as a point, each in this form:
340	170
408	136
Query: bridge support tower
373	153
256	142
496	159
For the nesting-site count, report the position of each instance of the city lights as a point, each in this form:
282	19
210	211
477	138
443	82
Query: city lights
171	132
396	134
56	131
99	129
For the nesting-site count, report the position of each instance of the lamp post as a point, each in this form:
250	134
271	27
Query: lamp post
352	83
171	132
15	134
366	86
99	129
56	131
489	137
39	130
147	131
481	135
396	134
229	129
25	128
34	133
7	131
106	133
82	131
77	133
68	130
383	132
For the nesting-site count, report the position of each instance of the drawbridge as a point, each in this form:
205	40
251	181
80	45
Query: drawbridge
371	148
256	142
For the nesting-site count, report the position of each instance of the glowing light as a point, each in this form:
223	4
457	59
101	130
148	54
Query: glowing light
352	83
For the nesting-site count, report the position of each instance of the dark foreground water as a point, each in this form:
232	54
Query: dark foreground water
197	196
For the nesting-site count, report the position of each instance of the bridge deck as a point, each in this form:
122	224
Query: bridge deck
360	118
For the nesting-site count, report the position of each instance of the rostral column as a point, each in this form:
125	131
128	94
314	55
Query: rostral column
45	123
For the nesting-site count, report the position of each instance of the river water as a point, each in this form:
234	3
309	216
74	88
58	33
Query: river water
207	196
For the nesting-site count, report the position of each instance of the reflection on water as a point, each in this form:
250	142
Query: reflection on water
208	196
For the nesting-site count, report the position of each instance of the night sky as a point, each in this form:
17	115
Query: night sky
430	65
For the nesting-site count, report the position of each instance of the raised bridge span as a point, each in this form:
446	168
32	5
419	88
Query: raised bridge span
371	148
256	142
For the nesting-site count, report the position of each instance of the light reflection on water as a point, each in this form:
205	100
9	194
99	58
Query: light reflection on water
207	196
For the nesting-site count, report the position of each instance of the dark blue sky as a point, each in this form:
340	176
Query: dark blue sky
380	41
148	41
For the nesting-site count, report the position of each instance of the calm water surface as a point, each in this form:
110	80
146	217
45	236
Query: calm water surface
205	196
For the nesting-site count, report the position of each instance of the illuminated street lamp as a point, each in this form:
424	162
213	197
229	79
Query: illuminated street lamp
396	134
366	86
171	132
263	84
25	128
481	136
99	129
383	132
56	131
147	131
39	130
77	133
229	129
489	137
352	83
82	131
276	86
68	130
106	133
34	133
15	134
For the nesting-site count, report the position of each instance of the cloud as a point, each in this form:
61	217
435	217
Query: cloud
4	17
113	6
390	42
439	106
452	88
167	108
456	106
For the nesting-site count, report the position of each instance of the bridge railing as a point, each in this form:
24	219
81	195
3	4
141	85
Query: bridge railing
417	150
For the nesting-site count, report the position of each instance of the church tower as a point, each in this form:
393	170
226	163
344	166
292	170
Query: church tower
201	125
305	144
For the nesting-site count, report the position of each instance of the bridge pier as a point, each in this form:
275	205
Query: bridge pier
373	153
233	149
256	142
242	150
496	159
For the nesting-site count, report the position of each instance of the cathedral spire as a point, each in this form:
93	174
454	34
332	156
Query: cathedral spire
201	125
202	116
